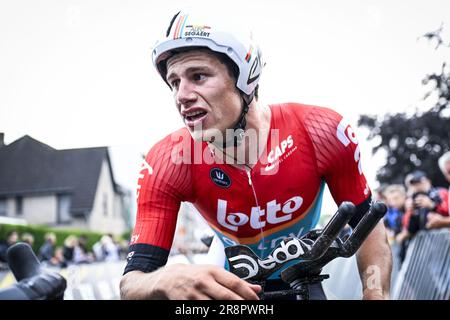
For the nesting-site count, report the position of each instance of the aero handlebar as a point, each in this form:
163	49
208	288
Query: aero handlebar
313	251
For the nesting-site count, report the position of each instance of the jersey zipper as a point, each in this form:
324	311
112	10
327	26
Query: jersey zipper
250	183
250	180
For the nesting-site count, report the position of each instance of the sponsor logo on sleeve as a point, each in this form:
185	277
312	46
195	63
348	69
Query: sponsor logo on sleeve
145	169
346	135
134	238
130	255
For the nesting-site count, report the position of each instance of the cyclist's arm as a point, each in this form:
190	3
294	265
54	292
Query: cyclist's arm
193	282
339	161
375	264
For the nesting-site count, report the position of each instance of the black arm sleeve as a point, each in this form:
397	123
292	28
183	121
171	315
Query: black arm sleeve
145	258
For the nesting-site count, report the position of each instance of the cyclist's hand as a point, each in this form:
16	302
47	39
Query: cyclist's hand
204	282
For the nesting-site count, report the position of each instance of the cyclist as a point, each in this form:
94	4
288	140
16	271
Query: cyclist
256	198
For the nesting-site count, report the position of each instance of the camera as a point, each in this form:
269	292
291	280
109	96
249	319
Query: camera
418	219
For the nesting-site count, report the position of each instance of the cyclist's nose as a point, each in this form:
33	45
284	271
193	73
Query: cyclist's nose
185	93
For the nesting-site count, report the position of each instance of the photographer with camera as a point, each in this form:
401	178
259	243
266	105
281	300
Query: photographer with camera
435	220
423	200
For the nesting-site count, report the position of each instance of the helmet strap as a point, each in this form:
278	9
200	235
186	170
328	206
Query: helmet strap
239	127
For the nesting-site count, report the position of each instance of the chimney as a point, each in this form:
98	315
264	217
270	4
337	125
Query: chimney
2	141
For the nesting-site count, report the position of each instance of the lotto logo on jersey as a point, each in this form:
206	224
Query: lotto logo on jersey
346	135
275	213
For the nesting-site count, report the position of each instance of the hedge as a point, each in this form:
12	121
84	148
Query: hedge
39	231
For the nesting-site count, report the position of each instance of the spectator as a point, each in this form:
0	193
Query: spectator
69	248
11	238
81	254
82	243
99	253
424	198
109	249
58	259
395	197
444	165
435	220
28	238
47	250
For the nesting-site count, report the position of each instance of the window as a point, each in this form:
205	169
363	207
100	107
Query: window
64	203
19	206
2	207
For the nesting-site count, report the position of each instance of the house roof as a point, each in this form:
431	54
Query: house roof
28	166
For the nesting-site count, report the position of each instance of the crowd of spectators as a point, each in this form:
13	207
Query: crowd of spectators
73	251
416	206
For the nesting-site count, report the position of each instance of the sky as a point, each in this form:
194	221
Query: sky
78	73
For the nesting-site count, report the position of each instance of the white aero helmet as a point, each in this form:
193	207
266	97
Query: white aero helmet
197	28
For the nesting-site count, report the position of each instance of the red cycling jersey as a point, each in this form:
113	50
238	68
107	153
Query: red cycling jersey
280	196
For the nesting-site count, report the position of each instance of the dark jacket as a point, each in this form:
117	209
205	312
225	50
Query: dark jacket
47	251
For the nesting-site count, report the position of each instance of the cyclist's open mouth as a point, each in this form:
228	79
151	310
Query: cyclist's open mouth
195	118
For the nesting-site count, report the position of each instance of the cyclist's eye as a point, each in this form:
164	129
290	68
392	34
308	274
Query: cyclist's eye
174	84
199	77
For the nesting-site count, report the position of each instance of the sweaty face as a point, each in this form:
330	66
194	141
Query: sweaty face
204	93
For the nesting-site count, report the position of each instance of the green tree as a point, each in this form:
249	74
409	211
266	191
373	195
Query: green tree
415	141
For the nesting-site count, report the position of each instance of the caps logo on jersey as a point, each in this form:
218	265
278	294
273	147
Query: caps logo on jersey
280	152
220	178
